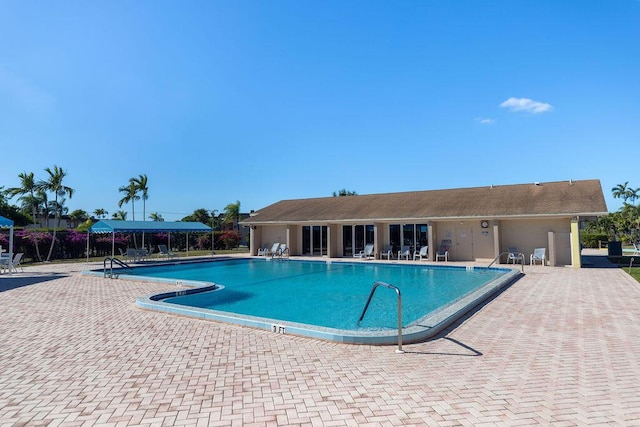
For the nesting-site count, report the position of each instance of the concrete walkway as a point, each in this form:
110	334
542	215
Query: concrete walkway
559	347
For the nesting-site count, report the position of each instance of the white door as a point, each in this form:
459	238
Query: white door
464	244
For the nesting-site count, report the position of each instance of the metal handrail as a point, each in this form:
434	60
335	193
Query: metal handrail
506	253
117	261
386	285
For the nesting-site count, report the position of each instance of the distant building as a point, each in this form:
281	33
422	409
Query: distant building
477	223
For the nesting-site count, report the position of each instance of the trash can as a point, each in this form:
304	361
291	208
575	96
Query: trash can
614	248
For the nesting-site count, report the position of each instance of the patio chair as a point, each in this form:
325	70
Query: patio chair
163	251
405	251
443	251
422	253
11	265
274	250
514	255
17	258
132	254
263	251
387	251
539	254
366	253
282	251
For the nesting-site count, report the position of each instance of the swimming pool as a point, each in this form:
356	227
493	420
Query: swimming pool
324	299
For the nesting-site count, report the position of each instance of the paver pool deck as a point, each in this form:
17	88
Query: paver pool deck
561	346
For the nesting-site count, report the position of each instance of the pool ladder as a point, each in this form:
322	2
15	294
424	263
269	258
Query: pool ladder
113	260
395	288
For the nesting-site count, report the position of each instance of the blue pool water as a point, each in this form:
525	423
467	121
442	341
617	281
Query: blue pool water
325	295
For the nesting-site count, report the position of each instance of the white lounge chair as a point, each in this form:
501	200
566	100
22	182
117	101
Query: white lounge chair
274	249
405	251
387	252
263	251
17	258
422	253
163	251
538	255
443	251
6	263
132	254
366	253
282	251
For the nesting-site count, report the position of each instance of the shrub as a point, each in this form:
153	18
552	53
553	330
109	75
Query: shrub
231	239
592	240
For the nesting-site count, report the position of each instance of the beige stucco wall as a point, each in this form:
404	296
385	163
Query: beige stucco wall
273	234
527	235
482	239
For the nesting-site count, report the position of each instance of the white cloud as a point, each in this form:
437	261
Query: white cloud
526	104
485	121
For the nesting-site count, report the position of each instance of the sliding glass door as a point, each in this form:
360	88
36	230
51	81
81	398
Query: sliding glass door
413	235
314	240
355	237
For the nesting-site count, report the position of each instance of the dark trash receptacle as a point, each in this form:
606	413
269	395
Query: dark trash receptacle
614	248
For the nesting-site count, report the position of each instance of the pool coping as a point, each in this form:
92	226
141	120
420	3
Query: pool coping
420	330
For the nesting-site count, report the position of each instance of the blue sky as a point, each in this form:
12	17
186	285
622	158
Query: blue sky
259	101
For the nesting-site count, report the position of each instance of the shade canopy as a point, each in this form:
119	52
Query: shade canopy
5	222
116	226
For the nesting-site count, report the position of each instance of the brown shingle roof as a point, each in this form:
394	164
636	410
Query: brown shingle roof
542	199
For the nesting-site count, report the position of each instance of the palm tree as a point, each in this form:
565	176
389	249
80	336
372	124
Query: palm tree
43	206
130	195
100	213
141	186
27	192
120	215
155	216
55	186
634	194
232	212
621	191
79	215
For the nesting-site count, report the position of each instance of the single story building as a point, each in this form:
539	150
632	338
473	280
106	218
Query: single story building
477	224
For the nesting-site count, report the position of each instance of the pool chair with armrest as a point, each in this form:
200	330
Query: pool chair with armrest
6	263
282	252
263	251
366	253
132	254
423	253
514	255
538	255
405	251
164	252
387	252
274	250
443	251
16	262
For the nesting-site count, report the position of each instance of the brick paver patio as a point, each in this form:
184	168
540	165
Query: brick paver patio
559	347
